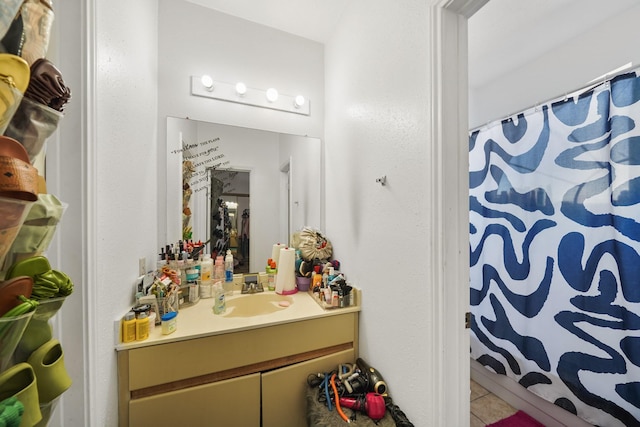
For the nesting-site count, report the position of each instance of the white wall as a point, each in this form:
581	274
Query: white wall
194	40
65	174
305	155
377	77
102	162
566	66
125	171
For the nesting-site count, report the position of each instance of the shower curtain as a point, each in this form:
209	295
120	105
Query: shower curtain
555	250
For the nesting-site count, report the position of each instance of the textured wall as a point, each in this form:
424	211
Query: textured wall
126	158
377	70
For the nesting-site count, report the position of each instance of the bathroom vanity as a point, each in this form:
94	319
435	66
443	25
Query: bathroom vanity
234	369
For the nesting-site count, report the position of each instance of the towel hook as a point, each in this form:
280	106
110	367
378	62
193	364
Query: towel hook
382	180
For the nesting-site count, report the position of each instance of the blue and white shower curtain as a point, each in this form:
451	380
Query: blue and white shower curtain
555	251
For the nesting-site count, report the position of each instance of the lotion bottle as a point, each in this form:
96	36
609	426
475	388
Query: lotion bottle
218	269
206	269
142	327
219	305
129	327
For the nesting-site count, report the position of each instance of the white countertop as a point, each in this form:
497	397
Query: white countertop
199	321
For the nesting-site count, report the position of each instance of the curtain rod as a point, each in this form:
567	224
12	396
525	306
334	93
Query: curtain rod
625	69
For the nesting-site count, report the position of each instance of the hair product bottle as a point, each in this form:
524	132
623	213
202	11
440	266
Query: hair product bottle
272	276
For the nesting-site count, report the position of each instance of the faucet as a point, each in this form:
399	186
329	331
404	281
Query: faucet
251	288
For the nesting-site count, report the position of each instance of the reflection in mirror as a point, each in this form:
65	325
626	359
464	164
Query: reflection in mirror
229	220
282	192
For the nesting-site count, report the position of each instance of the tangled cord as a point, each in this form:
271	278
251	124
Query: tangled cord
329	390
396	413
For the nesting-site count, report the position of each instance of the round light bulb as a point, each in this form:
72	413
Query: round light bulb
241	88
299	101
207	81
272	95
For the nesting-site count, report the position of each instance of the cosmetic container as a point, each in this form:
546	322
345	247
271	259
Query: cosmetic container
169	323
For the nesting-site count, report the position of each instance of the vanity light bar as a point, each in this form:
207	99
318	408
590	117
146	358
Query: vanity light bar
241	94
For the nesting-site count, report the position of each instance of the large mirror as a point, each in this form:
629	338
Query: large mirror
269	183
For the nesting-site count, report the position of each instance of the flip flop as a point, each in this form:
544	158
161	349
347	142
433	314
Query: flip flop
14	80
29	267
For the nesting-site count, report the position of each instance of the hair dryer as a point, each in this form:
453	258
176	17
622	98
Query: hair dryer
375	380
373	405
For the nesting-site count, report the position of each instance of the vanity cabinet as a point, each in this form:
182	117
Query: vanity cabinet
255	377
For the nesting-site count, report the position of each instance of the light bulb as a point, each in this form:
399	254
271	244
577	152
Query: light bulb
207	82
241	88
272	95
299	101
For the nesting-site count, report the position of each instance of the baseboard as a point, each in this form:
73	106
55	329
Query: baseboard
520	398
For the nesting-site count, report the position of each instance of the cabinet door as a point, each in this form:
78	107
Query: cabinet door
229	403
284	390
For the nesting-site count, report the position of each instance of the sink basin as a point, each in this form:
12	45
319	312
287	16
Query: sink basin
256	304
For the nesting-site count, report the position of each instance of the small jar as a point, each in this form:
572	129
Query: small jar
169	323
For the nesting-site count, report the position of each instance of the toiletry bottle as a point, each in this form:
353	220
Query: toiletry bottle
218	269
317	277
272	276
142	327
129	327
228	267
206	277
206	269
219	305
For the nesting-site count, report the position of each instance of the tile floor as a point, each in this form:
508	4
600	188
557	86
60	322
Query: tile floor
487	408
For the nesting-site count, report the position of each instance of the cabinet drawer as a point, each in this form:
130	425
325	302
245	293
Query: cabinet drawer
166	363
232	403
